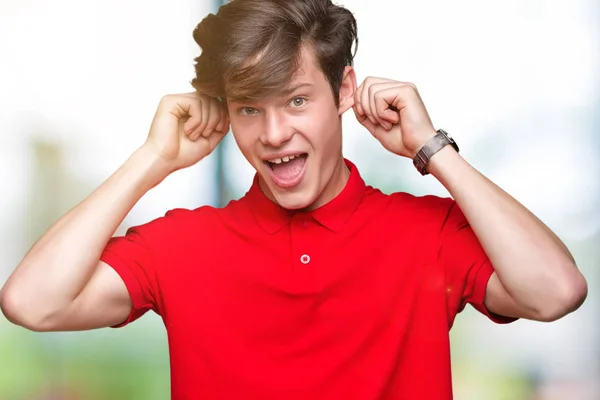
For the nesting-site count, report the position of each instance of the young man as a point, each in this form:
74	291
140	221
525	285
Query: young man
313	285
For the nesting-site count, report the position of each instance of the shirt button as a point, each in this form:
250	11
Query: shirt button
305	259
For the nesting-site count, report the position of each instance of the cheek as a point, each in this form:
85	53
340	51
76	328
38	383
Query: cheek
317	125
241	140
246	140
325	130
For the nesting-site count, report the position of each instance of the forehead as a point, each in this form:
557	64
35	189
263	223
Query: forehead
308	75
308	70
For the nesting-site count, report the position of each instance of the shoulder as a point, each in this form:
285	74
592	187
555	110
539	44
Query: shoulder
197	220
428	207
175	222
425	204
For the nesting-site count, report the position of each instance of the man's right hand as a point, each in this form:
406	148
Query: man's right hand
60	284
186	128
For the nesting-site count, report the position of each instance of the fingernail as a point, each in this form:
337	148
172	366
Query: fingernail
207	132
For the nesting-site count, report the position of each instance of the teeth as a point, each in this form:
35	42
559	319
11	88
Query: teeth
283	159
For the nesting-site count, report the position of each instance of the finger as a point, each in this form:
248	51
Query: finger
365	103
195	134
190	125
224	124
364	98
193	123
364	120
214	117
204	107
385	114
189	112
357	114
386	104
357	97
190	107
372	85
372	93
223	116
385	111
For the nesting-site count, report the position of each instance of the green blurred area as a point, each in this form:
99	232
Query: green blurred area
126	363
132	363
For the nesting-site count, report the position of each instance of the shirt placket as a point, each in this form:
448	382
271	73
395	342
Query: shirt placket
304	254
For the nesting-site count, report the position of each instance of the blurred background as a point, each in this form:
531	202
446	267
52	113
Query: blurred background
515	82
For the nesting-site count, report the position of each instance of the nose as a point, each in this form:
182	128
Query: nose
276	132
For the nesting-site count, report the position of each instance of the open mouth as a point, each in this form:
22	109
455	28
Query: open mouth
287	161
287	171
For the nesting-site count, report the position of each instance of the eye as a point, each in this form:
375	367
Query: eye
248	111
298	102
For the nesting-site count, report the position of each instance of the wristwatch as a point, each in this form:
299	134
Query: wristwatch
435	144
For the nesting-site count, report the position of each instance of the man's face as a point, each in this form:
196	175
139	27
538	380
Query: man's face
294	140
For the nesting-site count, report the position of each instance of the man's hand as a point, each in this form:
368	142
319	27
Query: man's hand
186	128
394	114
61	284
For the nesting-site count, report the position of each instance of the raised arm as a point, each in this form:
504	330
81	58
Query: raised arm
61	284
535	276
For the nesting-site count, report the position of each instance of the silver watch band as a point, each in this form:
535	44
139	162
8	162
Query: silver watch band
435	144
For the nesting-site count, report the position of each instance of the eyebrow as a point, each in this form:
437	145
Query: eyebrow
284	93
290	90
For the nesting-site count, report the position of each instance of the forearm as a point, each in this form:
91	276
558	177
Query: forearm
531	262
60	264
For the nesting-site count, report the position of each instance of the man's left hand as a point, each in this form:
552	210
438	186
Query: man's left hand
394	114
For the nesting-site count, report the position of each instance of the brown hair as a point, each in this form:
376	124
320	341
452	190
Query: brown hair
250	48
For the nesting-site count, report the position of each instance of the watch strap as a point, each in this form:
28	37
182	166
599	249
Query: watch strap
435	144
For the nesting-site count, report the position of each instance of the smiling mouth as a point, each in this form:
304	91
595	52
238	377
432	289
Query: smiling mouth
287	171
287	161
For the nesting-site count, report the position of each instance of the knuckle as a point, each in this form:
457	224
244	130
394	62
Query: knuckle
371	91
167	99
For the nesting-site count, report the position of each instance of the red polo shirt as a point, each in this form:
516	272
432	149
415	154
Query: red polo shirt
353	300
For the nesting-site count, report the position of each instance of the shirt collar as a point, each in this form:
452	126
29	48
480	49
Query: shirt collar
333	215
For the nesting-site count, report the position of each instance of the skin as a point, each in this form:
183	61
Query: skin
61	285
305	120
535	275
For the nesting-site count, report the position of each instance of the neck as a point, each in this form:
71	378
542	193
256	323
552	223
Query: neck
337	182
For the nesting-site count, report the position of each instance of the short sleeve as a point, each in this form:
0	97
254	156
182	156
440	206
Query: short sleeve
133	257
467	267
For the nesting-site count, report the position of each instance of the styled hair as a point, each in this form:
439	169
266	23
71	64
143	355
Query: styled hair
251	48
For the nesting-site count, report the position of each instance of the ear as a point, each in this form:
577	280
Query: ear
347	89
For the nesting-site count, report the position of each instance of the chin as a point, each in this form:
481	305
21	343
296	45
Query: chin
296	200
